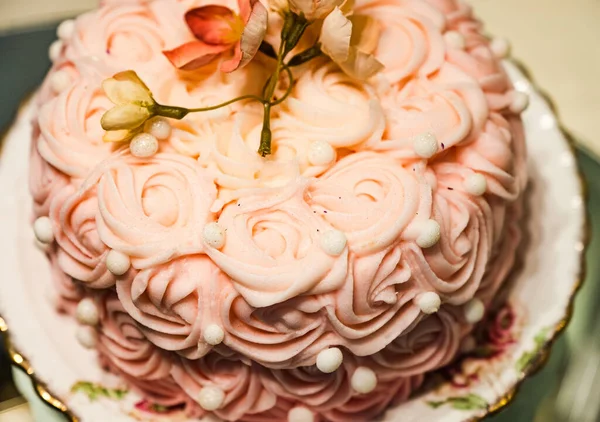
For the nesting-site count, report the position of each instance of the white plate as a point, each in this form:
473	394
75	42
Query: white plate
541	296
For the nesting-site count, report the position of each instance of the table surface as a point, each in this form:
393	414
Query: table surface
563	61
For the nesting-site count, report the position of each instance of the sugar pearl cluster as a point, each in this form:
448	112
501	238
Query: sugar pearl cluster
145	144
88	316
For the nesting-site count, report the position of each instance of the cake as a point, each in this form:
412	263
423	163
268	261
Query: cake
309	252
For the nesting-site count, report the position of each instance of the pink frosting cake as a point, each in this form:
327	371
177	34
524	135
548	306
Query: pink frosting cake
321	282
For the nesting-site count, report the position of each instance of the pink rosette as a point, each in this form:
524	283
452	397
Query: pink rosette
455	266
70	134
272	247
309	386
65	294
45	182
371	198
375	304
499	154
124	345
411	108
48	90
172	302
154	209
284	335
327	105
123	350
241	383
366	407
429	345
129	36
411	43
81	253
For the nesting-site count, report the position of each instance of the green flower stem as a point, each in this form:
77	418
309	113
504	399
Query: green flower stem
289	88
265	134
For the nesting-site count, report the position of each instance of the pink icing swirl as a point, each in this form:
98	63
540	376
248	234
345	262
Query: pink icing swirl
70	135
124	350
455	266
153	209
45	182
410	43
244	393
67	293
371	198
81	253
327	105
129	36
429	345
285	335
375	303
272	249
173	302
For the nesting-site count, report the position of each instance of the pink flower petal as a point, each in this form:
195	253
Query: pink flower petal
194	54
213	24
252	37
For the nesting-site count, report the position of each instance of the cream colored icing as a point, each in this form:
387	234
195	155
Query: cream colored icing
279	296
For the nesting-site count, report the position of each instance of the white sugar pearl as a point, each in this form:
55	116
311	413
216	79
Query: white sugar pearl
300	414
329	360
117	262
55	50
320	153
214	235
213	334
425	145
42	229
430	234
59	81
87	312
87	336
475	184
211	398
474	311
500	47
519	102
428	302
363	380
143	145
65	29
158	127
455	40
333	242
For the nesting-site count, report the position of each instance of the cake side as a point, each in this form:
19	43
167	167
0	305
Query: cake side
349	263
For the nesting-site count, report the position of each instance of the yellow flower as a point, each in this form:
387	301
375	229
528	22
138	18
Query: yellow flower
350	42
134	105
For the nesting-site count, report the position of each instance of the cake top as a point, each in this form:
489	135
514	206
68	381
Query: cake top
273	181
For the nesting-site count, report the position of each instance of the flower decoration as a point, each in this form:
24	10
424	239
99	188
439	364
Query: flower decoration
347	39
350	42
134	105
219	30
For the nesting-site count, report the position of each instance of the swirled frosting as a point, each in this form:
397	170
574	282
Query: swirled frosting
275	289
